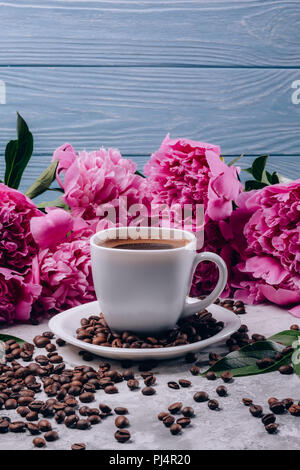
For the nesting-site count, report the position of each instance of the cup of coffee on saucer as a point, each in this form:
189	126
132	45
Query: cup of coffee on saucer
142	277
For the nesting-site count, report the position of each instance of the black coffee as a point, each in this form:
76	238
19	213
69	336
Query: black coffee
144	244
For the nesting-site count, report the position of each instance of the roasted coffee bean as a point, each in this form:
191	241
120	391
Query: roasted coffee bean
43	360
287	350
70	421
175	407
272	400
213	405
4	426
122	435
183	422
288	402
265	362
41	341
56	359
83	424
111	389
268	418
168	420
33	428
150	380
200	397
128	375
23	411
119	410
94	419
11	404
295	327
184	383
221	391
121	422
39	442
48	334
286	370
271	428
44	425
256	410
60	416
17	426
32	416
148	391
50	347
188	411
105	408
227	376
194	370
175	429
173	385
36	405
60	342
211	375
162	415
51	436
277	407
78	446
256	337
87	397
247	401
294	410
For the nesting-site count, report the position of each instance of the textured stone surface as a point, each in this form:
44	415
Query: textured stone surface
232	427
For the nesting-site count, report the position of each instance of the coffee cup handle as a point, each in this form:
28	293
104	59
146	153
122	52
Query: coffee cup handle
193	305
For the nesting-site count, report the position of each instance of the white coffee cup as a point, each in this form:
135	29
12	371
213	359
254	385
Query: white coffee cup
146	291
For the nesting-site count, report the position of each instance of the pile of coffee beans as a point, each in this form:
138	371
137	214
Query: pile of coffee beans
94	330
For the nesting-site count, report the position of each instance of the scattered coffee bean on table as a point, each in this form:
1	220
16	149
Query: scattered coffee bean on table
188	411
148	391
256	410
277	407
184	383
175	407
194	370
294	410
122	435
183	422
175	429
268	419
221	391
39	442
211	375
121	422
247	401
286	369
227	376
78	446
201	397
168	420
213	405
174	385
271	428
119	410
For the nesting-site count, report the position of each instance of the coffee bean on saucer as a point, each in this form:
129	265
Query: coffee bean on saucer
227	376
277	407
44	425
122	435
87	397
286	369
175	407
188	411
78	446
271	428
213	404
268	418
211	375
247	401
200	397
121	422
162	415
39	442
256	410
175	429
183	422
119	410
221	391
168	420
184	383
51	436
148	391
194	370
173	385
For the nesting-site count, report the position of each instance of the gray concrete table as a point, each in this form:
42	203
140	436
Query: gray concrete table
232	427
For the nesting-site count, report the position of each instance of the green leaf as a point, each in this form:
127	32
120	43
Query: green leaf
243	362
258	167
235	160
56	203
275	178
296	360
252	184
286	337
15	338
140	174
43	182
17	154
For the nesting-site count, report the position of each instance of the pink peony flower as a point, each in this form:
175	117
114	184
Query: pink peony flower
51	229
17	247
94	179
17	294
65	274
269	244
182	172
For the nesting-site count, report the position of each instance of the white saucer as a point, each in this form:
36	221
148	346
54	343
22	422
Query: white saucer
66	323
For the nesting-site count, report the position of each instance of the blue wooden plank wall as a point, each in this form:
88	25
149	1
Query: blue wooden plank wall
124	73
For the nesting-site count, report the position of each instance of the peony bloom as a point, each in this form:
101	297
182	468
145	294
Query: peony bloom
269	245
94	179
17	246
66	275
182	172
17	294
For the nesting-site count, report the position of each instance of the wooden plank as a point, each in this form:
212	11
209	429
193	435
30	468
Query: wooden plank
246	111
288	166
130	32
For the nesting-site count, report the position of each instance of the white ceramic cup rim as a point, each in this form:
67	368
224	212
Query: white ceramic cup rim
95	239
